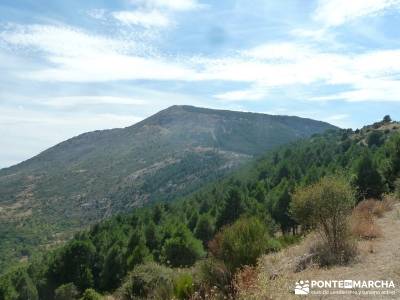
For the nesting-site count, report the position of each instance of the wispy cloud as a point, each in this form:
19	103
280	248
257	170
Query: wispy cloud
146	19
242	95
338	12
95	58
155	13
174	5
69	101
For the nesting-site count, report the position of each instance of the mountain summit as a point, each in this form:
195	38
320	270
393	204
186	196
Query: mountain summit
169	154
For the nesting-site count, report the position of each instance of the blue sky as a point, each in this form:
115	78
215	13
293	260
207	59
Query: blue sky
71	66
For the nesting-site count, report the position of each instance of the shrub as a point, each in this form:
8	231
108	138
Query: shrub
388	201
326	257
241	243
245	280
368	179
66	291
91	294
213	274
182	249
375	138
397	188
148	281
183	286
204	230
17	285
73	264
368	208
326	206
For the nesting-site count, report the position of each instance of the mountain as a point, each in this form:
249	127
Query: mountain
100	173
159	251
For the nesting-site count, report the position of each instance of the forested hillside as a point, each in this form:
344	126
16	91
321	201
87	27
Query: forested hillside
97	174
194	246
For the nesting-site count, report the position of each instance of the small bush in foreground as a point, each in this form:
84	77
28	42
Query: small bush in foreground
182	249
242	243
326	206
148	281
324	255
213	274
183	286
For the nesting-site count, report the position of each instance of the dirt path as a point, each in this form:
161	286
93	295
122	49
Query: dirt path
378	260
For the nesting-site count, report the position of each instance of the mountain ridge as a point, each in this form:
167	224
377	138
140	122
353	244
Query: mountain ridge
97	174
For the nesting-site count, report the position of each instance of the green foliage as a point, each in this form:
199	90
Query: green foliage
77	182
66	291
241	243
326	204
176	232
204	230
114	268
182	249
212	272
74	264
368	178
233	208
387	119
91	294
148	281
17	285
375	138
183	286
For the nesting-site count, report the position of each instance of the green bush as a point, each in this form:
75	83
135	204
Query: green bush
91	294
183	286
211	272
66	291
148	281
17	285
326	205
182	249
241	243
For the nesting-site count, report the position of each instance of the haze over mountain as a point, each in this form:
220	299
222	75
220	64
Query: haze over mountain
97	174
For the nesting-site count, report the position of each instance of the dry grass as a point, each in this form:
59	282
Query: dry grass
363	224
245	279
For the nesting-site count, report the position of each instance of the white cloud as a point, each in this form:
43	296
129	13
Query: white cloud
63	41
90	58
155	13
68	101
338	12
146	19
97	13
242	95
94	58
285	51
175	5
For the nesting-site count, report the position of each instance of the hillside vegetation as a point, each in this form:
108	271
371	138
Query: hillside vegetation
196	247
98	174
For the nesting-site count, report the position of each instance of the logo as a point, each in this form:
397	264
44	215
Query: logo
344	287
302	287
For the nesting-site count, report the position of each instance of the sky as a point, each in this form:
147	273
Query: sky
72	66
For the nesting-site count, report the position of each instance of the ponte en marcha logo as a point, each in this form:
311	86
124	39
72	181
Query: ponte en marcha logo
356	287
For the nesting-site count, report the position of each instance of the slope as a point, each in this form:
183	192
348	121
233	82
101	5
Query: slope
97	174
